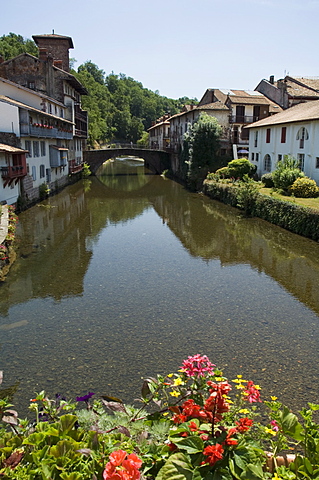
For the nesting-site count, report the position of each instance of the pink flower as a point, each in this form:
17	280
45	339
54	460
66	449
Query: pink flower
197	366
252	393
274	425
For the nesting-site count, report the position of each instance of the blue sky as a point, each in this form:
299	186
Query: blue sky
180	47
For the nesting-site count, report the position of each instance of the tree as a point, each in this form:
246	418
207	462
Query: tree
201	144
12	45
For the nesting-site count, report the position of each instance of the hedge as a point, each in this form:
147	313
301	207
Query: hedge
295	218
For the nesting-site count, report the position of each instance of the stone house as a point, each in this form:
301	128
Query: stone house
295	132
40	107
290	91
159	133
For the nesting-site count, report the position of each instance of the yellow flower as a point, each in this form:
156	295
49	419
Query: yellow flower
245	411
240	387
257	387
165	413
270	431
174	393
170	375
239	376
275	477
273	398
178	381
219	379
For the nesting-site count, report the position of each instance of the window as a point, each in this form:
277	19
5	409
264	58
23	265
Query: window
42	171
257	157
301	158
34	173
252	157
267	163
283	134
268	135
28	146
36	151
42	145
48	175
256	139
302	135
279	158
50	108
317	162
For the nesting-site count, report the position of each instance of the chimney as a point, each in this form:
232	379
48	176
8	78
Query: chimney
272	79
58	63
43	54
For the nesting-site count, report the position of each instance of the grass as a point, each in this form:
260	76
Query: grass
305	202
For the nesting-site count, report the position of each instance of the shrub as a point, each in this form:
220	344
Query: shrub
222	172
287	171
240	167
247	195
86	172
304	187
44	191
267	180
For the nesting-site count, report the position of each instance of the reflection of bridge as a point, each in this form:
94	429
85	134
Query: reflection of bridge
155	160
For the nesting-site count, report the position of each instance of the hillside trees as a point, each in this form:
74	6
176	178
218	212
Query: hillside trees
12	45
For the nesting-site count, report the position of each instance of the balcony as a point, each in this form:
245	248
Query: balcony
46	132
243	119
13	173
75	167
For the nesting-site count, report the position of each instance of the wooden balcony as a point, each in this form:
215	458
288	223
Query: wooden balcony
75	167
13	173
243	119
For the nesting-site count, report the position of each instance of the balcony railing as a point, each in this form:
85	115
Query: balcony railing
243	118
11	172
75	167
46	132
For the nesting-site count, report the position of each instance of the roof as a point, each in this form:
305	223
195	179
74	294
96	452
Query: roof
9	149
302	112
54	37
9	100
212	106
39	94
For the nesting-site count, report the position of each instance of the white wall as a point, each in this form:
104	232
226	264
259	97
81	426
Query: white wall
290	147
9	118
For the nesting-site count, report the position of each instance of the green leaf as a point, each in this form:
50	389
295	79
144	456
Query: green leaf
177	467
67	422
192	444
290	425
253	472
71	476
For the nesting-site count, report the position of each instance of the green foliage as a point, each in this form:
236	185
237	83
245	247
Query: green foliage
304	187
143	141
267	180
247	194
286	172
12	45
44	191
201	142
86	172
240	167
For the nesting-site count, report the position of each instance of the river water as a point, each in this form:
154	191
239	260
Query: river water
124	275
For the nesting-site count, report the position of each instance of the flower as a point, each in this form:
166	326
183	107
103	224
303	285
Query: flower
174	393
197	366
85	398
122	466
178	381
214	453
244	424
274	425
251	392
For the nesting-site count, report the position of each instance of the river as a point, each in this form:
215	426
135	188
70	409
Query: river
124	275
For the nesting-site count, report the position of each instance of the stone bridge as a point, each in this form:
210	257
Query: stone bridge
155	160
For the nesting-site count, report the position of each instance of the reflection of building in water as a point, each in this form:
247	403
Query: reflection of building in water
53	253
291	260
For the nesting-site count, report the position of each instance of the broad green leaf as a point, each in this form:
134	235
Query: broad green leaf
313	406
192	444
67	422
253	472
71	476
291	426
177	467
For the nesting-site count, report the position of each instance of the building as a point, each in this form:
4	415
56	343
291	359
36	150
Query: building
233	109
290	91
159	133
294	132
40	112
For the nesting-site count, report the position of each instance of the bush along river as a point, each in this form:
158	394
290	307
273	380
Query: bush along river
124	275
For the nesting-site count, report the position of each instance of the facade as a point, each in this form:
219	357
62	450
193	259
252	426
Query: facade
294	132
40	113
159	133
290	91
233	109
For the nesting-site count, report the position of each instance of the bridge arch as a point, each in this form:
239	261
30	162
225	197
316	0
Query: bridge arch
155	160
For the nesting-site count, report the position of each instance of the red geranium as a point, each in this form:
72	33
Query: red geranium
213	453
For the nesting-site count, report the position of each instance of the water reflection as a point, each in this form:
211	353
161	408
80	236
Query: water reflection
120	276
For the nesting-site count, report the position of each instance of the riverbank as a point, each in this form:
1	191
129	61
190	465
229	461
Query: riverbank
7	234
290	216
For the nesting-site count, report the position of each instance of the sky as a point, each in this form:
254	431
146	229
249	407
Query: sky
180	47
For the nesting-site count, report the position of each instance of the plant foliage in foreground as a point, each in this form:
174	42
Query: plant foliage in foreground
201	426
